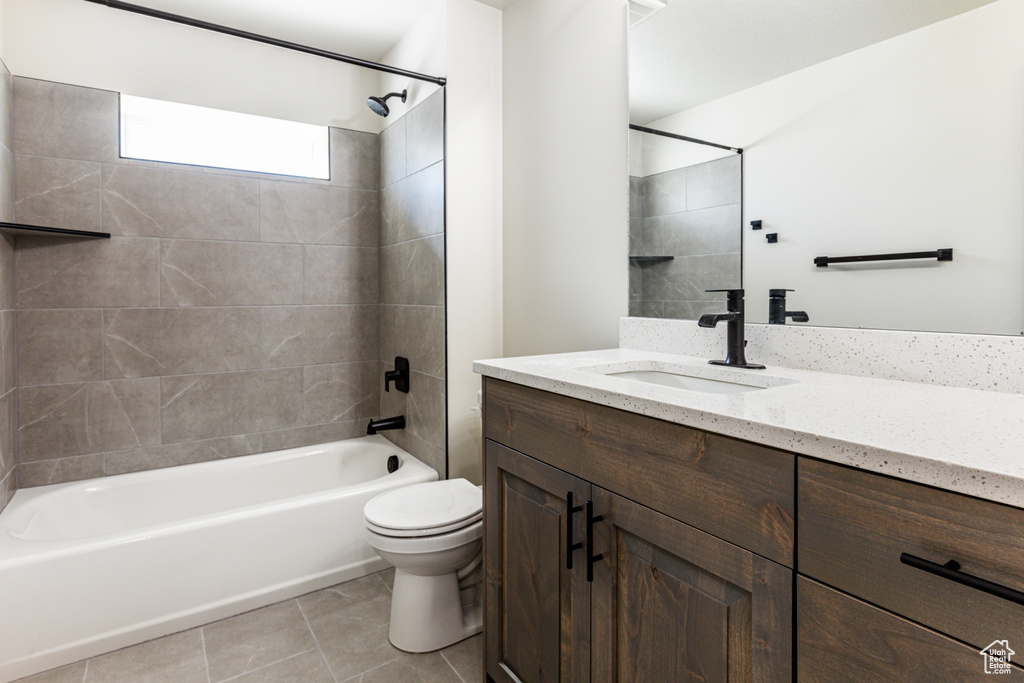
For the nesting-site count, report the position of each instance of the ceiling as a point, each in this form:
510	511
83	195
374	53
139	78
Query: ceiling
695	51
706	48
367	29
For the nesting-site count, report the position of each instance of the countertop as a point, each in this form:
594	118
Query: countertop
962	440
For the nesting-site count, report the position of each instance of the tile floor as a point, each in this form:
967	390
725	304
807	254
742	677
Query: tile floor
335	635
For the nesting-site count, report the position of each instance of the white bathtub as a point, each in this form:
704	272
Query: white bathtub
92	566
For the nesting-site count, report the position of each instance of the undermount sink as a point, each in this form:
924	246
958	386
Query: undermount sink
707	380
671	379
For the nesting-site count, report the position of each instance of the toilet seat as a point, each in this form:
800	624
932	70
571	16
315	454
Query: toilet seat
429	531
428	509
417	545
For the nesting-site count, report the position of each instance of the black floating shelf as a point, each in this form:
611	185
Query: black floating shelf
938	254
38	230
650	259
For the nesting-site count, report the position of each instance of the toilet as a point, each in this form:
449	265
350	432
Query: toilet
433	534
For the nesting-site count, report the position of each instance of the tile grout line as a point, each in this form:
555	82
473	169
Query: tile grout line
218	372
206	659
267	666
316	640
208	307
457	674
379	666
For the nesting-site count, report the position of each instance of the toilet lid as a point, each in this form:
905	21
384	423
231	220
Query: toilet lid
431	506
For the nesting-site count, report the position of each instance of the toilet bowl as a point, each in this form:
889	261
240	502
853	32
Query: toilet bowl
432	533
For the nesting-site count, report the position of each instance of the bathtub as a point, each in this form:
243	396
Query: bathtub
93	566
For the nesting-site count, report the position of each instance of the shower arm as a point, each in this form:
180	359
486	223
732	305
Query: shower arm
276	42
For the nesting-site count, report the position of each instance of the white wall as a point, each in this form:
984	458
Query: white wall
916	143
3	32
650	154
474	219
565	166
71	41
423	50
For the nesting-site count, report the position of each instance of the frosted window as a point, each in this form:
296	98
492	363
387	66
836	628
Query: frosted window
186	134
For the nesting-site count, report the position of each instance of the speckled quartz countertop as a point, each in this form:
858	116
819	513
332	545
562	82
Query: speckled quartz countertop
961	440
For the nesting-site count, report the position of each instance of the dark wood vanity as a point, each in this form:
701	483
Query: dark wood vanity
619	547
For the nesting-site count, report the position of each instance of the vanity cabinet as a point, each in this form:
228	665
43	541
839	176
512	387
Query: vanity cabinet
888	542
649	593
699	565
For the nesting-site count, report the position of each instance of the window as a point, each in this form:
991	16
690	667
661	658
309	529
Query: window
185	134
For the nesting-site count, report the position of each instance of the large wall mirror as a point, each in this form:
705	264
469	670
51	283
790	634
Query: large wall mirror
867	129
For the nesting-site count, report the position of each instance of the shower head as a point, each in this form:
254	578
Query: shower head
379	105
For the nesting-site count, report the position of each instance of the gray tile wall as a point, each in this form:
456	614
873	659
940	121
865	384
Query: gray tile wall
230	313
636	244
8	378
412	313
695	215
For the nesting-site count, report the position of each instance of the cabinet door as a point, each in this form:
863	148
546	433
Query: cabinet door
841	638
537	610
672	603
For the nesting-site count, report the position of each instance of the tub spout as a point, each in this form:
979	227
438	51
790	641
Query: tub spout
385	423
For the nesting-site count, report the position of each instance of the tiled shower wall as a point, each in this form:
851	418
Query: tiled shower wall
8	461
412	313
230	313
695	215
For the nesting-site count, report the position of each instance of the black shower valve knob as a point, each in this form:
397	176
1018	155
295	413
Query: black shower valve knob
400	375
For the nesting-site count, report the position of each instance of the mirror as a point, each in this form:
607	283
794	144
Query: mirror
867	130
684	226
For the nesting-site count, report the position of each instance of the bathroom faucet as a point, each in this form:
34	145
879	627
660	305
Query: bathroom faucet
777	312
385	423
734	318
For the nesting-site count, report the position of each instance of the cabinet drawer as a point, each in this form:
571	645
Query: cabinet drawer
732	489
842	639
854	526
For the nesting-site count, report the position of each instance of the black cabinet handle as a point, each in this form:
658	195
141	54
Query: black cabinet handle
951	571
570	547
591	557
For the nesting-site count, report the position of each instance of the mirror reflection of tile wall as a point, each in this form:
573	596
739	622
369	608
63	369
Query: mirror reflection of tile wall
694	215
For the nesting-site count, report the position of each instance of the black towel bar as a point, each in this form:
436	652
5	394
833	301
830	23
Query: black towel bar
939	254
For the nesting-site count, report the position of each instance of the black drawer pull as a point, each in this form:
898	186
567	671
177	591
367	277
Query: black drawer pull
570	547
591	557
951	571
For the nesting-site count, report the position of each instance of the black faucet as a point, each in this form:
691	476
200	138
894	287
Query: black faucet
777	312
734	317
385	423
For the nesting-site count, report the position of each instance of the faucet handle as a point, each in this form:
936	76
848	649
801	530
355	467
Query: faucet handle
733	292
779	292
